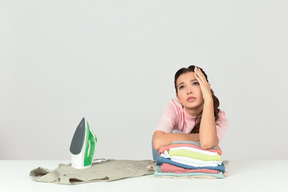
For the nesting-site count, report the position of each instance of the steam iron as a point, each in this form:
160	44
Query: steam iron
82	146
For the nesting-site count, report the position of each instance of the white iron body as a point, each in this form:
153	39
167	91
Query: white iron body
82	146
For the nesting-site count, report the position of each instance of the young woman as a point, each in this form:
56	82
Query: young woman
195	112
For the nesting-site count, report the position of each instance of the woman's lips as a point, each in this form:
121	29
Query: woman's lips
191	99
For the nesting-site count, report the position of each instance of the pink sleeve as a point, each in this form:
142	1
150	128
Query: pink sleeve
221	125
166	122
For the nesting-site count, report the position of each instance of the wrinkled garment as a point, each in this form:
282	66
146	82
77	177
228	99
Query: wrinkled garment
105	171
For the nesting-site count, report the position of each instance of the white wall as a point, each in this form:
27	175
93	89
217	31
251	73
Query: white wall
114	62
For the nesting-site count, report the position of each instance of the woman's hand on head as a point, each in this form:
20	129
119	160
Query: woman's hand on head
204	85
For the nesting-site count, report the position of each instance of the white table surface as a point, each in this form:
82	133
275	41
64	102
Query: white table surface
254	175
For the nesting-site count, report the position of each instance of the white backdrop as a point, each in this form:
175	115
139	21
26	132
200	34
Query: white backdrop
113	62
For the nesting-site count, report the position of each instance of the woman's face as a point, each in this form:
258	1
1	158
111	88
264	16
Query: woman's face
189	93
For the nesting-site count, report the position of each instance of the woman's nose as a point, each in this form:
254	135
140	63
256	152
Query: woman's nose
189	89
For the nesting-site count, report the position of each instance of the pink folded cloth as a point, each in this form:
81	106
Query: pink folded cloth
162	149
168	168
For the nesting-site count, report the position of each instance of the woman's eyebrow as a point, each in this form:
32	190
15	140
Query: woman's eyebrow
180	84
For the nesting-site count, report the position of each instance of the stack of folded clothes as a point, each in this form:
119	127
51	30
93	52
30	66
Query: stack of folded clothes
188	160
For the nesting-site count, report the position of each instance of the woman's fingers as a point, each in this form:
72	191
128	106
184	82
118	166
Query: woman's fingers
200	75
204	85
202	80
198	79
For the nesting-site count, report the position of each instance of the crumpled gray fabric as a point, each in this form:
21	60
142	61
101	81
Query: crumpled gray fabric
110	170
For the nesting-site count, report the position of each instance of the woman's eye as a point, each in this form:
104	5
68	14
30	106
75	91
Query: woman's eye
196	83
181	87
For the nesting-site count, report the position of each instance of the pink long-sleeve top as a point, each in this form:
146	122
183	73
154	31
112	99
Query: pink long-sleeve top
174	117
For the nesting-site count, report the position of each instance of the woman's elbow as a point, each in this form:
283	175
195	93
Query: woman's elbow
157	143
208	145
157	140
156	146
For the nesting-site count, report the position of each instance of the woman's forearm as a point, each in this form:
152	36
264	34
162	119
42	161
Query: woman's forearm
207	132
162	139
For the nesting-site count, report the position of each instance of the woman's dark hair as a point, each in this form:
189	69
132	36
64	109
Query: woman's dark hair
216	102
